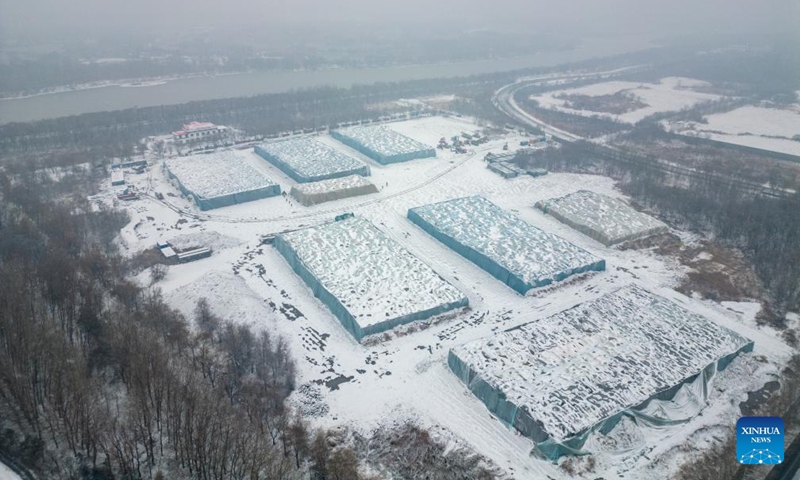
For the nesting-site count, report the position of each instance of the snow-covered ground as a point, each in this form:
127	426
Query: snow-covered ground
752	126
757	121
7	474
669	95
365	386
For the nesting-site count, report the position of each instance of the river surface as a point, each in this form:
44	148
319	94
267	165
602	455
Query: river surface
115	97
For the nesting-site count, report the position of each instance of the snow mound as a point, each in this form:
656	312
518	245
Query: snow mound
232	301
212	240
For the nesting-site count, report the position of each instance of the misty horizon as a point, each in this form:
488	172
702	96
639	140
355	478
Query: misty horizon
584	18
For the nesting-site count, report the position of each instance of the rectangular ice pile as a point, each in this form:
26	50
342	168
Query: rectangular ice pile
383	144
219	179
369	282
559	378
605	219
332	189
519	254
307	160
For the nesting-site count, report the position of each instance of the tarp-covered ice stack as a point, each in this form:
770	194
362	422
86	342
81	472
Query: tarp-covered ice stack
605	219
307	160
369	282
219	180
517	253
332	189
558	379
383	144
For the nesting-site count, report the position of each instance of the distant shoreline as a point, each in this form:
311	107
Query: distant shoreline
154	81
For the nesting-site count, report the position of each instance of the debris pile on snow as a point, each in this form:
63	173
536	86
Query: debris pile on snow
309	400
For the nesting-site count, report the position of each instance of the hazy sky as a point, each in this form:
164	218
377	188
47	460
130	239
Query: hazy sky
572	17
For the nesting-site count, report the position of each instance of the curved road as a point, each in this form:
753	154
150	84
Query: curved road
505	102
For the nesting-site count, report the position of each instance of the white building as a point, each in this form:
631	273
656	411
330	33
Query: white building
197	131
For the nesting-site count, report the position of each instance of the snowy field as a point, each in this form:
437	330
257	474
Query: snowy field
214	178
307	160
751	126
605	219
669	95
383	144
369	281
522	256
332	189
7	474
344	383
577	370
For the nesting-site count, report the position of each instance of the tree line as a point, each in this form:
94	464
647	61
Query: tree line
766	229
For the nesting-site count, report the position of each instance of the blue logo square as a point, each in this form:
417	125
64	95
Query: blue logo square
759	440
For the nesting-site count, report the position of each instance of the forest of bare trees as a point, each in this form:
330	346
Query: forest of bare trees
100	379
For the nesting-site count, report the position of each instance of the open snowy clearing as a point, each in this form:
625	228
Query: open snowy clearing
7	474
365	386
759	127
757	121
780	145
669	95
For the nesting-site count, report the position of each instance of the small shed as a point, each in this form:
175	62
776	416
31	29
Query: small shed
117	178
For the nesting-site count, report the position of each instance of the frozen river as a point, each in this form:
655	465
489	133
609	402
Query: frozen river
235	85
